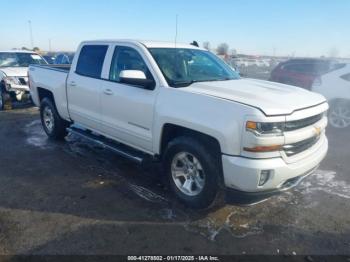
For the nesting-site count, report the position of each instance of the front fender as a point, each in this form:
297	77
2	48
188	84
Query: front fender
218	118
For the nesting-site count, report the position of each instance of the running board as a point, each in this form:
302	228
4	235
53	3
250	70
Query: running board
120	149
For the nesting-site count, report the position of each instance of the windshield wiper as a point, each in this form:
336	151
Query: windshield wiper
183	83
224	79
188	83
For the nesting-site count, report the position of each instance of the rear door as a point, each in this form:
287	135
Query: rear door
84	86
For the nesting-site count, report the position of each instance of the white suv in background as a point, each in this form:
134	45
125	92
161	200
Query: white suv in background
335	86
14	75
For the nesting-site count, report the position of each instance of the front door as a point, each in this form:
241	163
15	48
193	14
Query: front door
127	111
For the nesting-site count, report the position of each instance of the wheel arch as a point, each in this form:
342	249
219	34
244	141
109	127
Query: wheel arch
171	131
44	93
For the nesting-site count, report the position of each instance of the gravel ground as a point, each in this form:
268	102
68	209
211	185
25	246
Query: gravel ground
76	198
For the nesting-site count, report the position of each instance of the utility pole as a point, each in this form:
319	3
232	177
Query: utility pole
31	34
176	22
50	45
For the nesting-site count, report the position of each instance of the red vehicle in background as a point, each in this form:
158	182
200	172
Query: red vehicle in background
301	72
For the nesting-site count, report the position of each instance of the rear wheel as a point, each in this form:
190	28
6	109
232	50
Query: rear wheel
54	126
193	173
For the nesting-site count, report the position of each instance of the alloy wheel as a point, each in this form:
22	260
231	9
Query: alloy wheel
339	116
188	174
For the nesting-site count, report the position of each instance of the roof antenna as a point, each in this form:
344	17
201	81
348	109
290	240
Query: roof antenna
195	43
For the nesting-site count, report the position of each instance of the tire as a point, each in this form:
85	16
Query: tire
339	114
2	99
204	178
5	99
54	126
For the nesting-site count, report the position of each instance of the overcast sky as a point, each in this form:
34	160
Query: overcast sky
300	27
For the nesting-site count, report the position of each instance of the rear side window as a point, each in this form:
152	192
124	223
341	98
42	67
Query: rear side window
90	60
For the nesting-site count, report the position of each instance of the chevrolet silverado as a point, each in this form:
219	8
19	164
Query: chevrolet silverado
183	106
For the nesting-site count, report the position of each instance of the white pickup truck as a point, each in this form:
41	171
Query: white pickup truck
14	75
179	104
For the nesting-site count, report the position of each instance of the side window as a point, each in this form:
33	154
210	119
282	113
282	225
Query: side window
346	77
90	60
299	68
127	58
291	67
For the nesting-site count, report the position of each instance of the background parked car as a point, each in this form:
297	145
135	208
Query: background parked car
238	62
335	86
301	72
64	59
49	59
14	75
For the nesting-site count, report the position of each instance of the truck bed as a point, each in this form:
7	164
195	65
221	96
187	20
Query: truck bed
65	68
52	78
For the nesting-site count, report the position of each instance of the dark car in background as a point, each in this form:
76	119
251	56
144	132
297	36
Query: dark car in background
301	72
64	58
49	59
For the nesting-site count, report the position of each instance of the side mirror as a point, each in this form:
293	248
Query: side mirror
136	78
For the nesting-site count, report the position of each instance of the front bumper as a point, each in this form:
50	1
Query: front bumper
18	88
233	196
243	174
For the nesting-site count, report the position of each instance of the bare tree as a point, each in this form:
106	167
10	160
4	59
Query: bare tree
36	49
222	49
206	45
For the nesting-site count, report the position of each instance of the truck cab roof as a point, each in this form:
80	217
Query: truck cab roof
17	51
146	43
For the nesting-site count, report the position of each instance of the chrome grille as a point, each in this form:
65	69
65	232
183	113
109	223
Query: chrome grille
296	148
297	124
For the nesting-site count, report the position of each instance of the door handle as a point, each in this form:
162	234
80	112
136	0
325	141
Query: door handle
108	92
72	83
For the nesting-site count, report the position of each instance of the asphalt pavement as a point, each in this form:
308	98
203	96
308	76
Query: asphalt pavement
74	197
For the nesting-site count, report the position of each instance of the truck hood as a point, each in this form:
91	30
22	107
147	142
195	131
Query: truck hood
14	71
271	98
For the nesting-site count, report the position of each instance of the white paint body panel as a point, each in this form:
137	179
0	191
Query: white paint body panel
16	72
136	117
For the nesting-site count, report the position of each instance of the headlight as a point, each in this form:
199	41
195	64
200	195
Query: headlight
266	128
11	80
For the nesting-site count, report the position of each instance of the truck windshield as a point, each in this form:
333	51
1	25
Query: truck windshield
181	67
20	59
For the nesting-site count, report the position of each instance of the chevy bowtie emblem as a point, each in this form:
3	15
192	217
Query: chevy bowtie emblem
318	130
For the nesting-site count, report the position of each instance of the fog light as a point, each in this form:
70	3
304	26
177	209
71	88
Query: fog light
264	176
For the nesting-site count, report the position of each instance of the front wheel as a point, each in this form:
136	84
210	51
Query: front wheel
193	173
54	126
